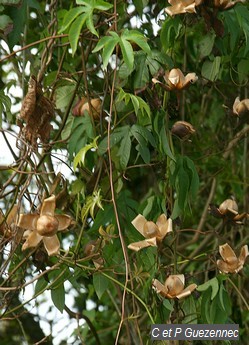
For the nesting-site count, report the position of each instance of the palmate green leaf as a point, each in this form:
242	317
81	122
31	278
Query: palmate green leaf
100	284
71	16
138	103
75	29
116	136
108	44
144	132
81	15
108	51
58	297
136	37
127	52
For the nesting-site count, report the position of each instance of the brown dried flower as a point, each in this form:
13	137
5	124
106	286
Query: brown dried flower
228	210
44	227
175	80
153	232
182	129
94	108
240	107
231	263
173	287
37	111
182	6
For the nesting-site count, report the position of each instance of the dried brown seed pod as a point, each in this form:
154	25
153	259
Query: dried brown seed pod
240	107
47	225
228	205
182	129
94	108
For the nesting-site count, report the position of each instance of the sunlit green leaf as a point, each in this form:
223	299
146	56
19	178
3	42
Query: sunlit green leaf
80	157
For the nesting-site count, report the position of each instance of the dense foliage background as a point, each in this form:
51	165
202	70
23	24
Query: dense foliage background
116	159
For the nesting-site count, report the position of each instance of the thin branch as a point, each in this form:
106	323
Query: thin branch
78	315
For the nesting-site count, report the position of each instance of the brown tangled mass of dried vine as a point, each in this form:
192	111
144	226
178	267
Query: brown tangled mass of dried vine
37	111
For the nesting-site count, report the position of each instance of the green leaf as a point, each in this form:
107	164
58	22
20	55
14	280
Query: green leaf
90	25
213	283
100	284
135	103
210	69
75	29
170	31
81	132
141	77
108	51
58	297
205	306
40	285
189	309
165	144
80	157
115	137
182	188
138	103
138	38
224	300
127	52
70	17
90	203
63	96
193	175
125	150
144	132
107	43
168	305
206	45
